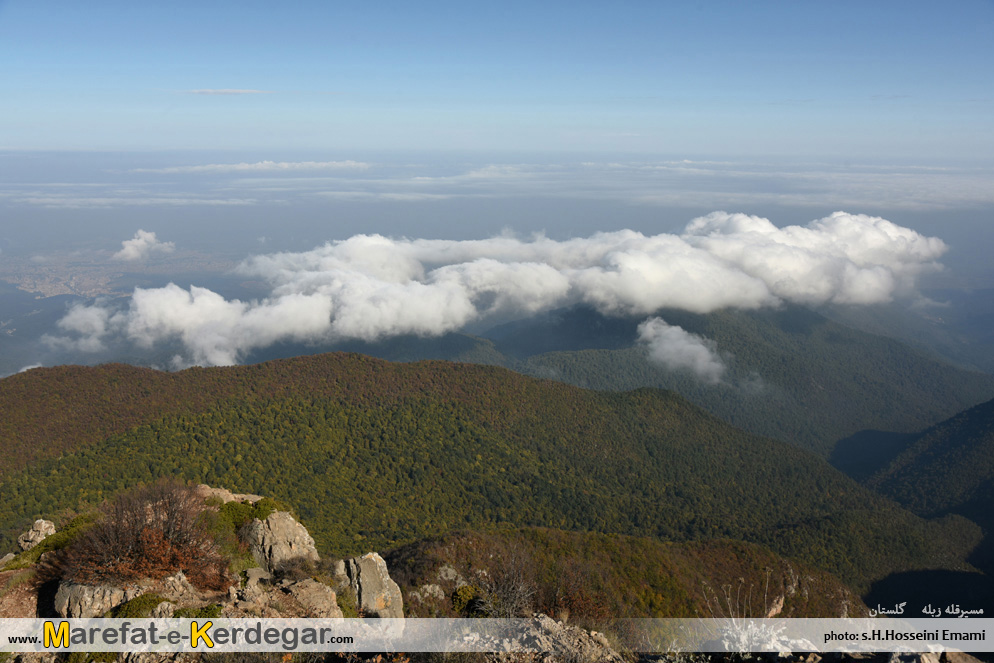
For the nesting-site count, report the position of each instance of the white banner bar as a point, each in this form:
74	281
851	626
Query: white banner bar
490	635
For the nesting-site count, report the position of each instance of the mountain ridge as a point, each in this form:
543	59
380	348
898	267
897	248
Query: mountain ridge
391	452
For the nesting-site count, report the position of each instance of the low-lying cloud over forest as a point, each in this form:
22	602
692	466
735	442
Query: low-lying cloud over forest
371	287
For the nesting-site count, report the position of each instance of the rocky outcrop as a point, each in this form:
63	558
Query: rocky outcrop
41	530
274	589
544	639
377	594
177	588
75	600
428	593
204	491
82	601
317	599
278	540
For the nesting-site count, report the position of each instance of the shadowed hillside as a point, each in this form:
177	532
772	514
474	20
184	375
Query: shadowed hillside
946	469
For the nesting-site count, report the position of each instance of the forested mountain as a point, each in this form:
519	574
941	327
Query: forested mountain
960	327
947	468
791	373
376	454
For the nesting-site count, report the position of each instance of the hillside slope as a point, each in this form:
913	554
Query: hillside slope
377	454
592	576
947	467
791	373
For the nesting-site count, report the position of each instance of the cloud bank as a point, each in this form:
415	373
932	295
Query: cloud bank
696	184
142	245
260	166
371	287
677	349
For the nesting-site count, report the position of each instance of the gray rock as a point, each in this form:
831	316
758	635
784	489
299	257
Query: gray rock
178	588
255	575
958	657
82	601
377	594
203	491
448	574
429	592
316	598
41	530
278	540
164	610
253	588
555	641
35	657
6	558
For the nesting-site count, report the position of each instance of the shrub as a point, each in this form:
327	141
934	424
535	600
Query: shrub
139	607
463	599
348	602
568	594
235	515
148	533
204	612
508	588
224	521
296	568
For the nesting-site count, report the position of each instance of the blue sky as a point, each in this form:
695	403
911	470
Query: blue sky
909	81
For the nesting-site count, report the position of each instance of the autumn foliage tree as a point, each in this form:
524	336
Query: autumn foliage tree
150	532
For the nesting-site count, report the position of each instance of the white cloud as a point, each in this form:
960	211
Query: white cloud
677	349
260	167
843	258
142	245
87	327
81	202
370	287
216	330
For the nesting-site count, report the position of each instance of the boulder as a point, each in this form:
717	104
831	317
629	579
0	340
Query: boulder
6	558
164	610
178	588
203	491
548	641
83	601
958	657
256	575
316	598
278	540
377	594
41	530
428	593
